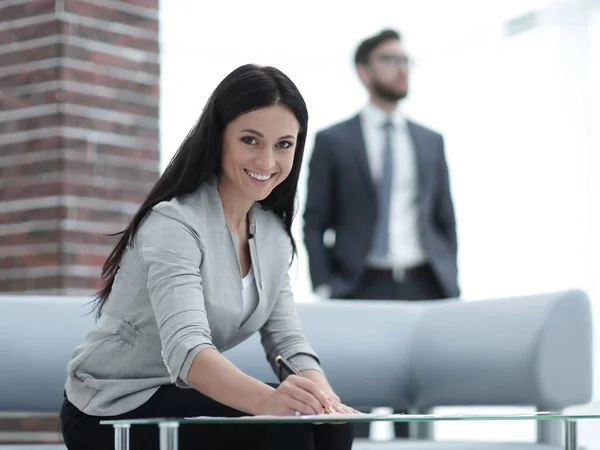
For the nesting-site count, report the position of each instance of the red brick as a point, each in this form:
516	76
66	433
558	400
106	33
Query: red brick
101	180
43	166
52	95
91	168
128	130
30	76
39	53
29	32
105	150
122	194
33	238
110	60
32	146
102	12
38	187
109	37
53	282
95	215
111	215
52	120
85	237
30	238
102	79
17	101
32	260
73	259
27	9
10	190
34	215
31	123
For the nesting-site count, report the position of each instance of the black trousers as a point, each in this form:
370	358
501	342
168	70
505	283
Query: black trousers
83	432
419	283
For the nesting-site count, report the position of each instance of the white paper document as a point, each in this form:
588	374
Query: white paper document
380	416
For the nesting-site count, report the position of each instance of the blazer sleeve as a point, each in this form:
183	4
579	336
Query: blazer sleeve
171	255
318	211
445	206
282	334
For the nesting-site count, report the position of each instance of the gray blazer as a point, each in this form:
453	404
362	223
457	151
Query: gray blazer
179	291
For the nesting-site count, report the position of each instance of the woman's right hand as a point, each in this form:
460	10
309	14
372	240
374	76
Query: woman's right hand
296	393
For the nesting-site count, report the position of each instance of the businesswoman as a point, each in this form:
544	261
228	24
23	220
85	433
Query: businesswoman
201	267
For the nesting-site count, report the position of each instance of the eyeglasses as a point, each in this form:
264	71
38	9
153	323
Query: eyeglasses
394	59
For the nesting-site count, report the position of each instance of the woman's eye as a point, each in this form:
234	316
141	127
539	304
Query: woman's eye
248	140
284	144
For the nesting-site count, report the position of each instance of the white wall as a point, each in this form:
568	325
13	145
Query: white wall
516	112
595	166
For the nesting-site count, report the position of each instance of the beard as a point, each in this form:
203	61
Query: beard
386	93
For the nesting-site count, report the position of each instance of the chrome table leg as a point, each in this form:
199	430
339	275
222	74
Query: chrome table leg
121	436
169	435
570	434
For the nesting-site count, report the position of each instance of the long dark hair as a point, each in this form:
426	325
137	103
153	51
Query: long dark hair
247	88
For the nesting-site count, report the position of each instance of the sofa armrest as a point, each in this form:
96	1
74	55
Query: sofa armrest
533	350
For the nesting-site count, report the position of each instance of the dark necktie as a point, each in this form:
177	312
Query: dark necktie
381	238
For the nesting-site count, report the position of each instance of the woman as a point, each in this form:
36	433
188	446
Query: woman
200	268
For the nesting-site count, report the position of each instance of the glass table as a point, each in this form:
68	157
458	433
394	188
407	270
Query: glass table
169	427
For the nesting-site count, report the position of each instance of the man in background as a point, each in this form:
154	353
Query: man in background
379	192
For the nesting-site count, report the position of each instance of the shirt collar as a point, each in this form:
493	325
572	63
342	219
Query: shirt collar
377	116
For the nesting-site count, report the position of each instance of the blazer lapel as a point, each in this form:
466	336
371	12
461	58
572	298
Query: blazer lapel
254	244
355	136
420	160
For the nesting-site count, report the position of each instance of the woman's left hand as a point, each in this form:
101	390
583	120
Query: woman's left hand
321	381
340	408
344	409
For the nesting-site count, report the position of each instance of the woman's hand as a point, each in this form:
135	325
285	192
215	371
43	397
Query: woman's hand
297	394
340	408
322	382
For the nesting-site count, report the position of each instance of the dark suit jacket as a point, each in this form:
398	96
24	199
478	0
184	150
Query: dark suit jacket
342	197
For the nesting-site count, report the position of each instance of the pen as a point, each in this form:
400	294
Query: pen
282	362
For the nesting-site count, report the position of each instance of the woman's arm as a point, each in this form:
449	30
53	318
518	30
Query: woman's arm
213	375
171	255
282	334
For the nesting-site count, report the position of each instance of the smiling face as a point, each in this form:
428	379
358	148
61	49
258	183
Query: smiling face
258	152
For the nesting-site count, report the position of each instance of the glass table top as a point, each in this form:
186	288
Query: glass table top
354	418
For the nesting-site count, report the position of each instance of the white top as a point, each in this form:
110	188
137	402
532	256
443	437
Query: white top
249	294
405	246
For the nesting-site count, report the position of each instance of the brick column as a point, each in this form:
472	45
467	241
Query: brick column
78	135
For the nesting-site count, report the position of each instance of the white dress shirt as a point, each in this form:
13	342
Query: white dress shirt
405	250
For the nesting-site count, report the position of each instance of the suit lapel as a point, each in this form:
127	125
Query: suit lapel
420	160
356	137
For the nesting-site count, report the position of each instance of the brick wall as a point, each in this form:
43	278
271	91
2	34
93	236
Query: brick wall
79	83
